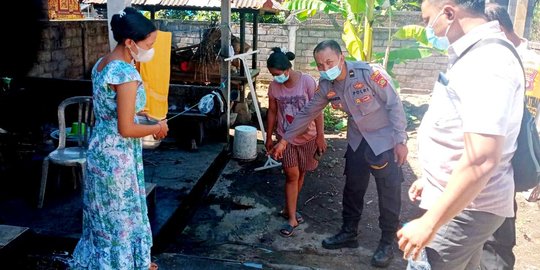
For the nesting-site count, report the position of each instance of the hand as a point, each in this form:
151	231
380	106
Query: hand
279	148
145	114
415	191
269	145
414	236
400	153
321	144
164	129
535	194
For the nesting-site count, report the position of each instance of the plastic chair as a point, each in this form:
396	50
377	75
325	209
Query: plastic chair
72	156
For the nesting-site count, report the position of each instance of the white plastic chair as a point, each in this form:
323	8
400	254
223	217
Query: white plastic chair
72	156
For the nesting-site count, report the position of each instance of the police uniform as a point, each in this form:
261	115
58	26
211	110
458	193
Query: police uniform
376	123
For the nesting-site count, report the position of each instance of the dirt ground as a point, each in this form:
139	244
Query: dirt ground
528	216
236	226
239	223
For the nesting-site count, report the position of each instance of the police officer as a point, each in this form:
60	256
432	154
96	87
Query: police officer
376	142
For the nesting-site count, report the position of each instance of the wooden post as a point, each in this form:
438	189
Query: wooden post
226	65
521	13
254	43
114	7
242	39
292	24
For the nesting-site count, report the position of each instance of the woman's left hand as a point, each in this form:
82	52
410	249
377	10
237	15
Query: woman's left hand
278	149
321	144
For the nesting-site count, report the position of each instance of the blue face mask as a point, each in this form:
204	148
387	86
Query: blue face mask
281	78
331	74
441	43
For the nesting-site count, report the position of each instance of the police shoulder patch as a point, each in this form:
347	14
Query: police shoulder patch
379	78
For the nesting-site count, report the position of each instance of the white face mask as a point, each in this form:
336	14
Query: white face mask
441	43
142	55
281	78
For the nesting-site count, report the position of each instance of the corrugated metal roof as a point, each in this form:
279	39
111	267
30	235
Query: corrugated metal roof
201	4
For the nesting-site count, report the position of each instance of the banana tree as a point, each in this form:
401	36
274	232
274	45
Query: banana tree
357	32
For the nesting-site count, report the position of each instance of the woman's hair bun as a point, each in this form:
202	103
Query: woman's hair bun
290	56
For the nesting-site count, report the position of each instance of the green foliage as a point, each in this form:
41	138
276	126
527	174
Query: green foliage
213	16
334	120
401	55
412	32
357	30
414	114
535	26
352	40
308	8
406	5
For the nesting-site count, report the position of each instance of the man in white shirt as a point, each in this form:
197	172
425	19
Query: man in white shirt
466	140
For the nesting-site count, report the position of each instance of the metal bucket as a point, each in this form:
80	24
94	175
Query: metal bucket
148	141
245	143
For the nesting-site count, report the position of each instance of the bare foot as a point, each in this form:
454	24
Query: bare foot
153	266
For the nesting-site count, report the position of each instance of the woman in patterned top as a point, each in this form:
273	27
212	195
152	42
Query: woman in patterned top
288	93
116	229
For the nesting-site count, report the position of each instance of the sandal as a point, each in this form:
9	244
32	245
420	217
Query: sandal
287	230
299	217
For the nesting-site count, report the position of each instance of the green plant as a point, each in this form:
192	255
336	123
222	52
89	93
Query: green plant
334	120
188	15
535	26
414	114
357	29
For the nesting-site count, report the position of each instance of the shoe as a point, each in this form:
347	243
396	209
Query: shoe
343	239
346	238
287	230
299	217
383	255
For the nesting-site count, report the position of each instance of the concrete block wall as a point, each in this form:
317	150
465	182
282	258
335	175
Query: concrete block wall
307	37
413	76
185	33
69	49
191	33
62	54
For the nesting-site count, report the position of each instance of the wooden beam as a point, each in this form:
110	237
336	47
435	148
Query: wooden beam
520	16
242	38
114	7
255	35
226	65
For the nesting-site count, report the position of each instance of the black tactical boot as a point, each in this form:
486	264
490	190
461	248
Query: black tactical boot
346	238
383	255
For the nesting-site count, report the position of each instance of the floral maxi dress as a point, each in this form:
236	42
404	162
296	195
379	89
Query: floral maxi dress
116	229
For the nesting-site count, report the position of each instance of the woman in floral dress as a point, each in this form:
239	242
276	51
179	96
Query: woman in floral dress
116	230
